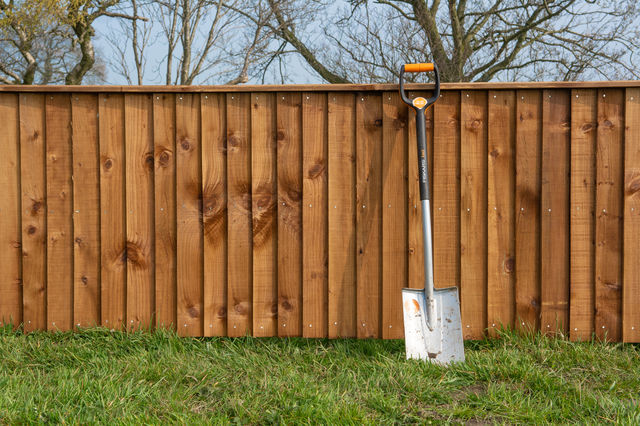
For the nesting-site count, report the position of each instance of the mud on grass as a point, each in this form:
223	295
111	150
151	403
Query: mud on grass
107	377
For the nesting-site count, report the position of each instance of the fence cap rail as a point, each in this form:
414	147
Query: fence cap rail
320	87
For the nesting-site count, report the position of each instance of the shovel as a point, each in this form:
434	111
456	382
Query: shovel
432	325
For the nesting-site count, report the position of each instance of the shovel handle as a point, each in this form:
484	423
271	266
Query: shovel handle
420	104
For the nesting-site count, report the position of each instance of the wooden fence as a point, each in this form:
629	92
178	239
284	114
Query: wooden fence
294	210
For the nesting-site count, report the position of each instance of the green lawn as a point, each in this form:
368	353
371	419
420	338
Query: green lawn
102	376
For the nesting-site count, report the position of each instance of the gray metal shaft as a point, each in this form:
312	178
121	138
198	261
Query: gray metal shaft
428	264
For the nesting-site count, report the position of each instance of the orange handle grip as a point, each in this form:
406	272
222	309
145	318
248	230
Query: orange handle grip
424	67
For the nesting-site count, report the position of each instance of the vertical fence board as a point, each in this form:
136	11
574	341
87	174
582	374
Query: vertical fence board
341	217
583	173
527	205
86	204
139	195
446	190
214	193
10	234
394	212
473	213
190	243
59	212
113	256
500	210
264	197
609	175
289	152
314	215
239	215
164	148
631	272
32	181
369	172
554	244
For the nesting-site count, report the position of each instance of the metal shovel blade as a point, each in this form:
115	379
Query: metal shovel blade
443	344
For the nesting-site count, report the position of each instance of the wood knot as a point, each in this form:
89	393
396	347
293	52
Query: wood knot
614	286
607	124
239	309
634	185
412	250
280	135
509	265
78	240
185	145
586	127
108	164
399	123
31	230
233	141
16	244
222	312
294	195
274	308
535	303
35	207
135	255
84	280
474	125
286	305
163	158
35	135
316	170
495	153
378	122
148	160
193	312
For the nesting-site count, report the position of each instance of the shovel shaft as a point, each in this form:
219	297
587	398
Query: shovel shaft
428	263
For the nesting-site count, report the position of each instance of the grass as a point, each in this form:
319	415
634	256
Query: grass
112	377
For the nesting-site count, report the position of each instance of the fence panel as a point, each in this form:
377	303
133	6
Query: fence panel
293	211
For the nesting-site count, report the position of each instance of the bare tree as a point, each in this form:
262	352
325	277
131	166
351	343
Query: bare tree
130	42
49	39
471	40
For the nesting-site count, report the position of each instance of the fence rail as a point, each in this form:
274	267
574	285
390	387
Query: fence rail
294	211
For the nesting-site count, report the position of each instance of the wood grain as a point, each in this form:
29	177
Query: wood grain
86	204
582	208
289	153
214	193
239	300
609	210
554	226
164	184
631	212
314	215
113	255
500	210
341	218
473	213
59	213
369	172
446	191
264	215
528	165
34	232
394	211
139	195
190	268
10	198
